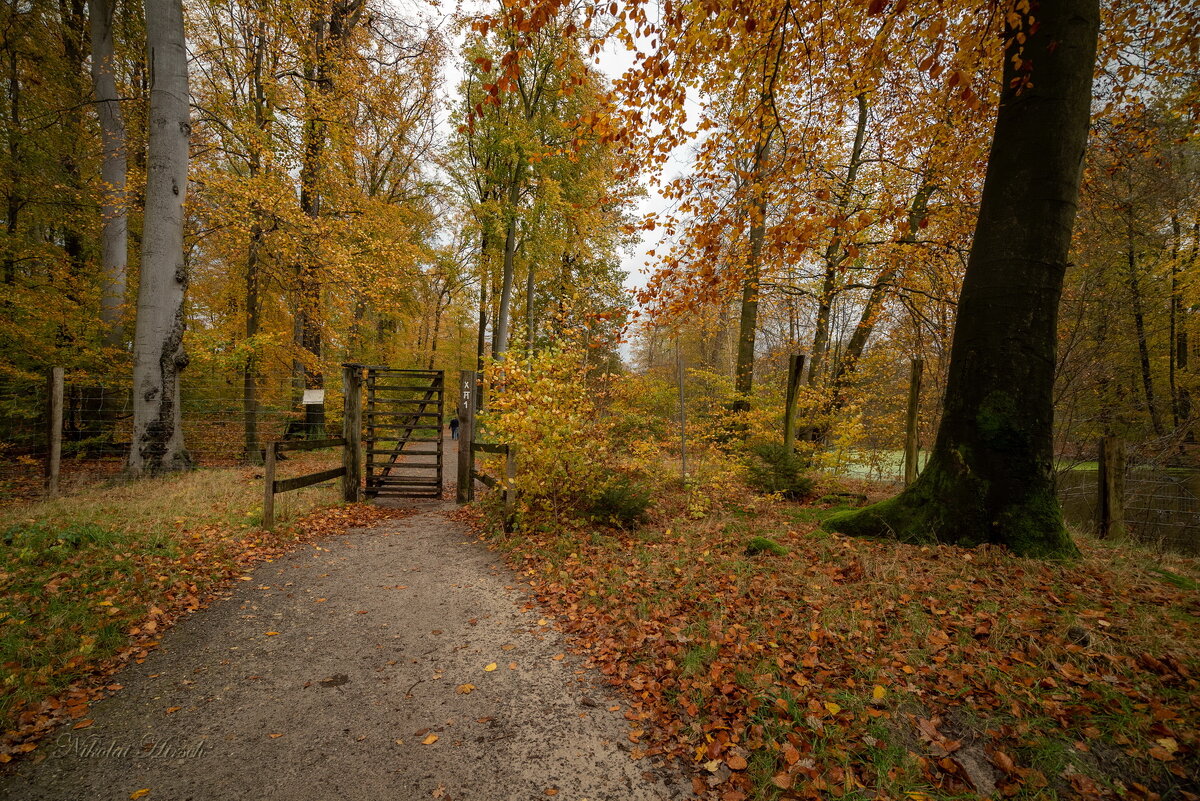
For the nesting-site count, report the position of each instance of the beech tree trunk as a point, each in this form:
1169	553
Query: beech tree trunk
748	320
835	253
500	335
114	233
883	283
158	355
990	475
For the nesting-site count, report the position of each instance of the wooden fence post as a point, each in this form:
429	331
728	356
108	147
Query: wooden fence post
466	434
682	415
795	369
510	488
54	425
912	445
268	521
352	431
1111	495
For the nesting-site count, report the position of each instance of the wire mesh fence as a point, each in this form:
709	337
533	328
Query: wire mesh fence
1161	504
225	424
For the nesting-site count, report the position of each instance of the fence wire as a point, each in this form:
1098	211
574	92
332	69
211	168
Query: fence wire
220	428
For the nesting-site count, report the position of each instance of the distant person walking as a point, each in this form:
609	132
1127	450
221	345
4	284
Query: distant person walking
453	428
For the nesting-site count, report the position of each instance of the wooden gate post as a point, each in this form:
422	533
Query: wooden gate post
510	487
912	447
352	431
54	425
795	369
268	517
1111	496
466	434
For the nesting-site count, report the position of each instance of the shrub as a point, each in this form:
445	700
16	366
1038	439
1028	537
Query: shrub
772	468
622	503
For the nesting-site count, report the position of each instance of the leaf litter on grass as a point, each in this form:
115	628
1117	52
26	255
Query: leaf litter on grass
862	669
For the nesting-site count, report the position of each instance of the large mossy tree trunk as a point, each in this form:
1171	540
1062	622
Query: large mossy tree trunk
990	475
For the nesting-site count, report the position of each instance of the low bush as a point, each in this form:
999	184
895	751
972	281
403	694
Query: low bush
622	503
772	468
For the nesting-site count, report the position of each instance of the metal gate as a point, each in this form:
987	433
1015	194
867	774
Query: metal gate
403	444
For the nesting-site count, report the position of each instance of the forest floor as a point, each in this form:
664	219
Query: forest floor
783	661
399	659
361	652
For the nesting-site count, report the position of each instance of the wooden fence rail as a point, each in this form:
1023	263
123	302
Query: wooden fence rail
271	486
507	484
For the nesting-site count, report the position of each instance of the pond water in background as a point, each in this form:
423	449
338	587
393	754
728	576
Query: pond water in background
1162	507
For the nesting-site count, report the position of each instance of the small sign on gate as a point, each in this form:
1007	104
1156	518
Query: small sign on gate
314	397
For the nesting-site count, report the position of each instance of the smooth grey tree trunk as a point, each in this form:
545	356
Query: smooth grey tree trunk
114	218
158	355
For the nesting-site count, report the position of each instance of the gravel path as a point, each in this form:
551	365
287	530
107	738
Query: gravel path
400	662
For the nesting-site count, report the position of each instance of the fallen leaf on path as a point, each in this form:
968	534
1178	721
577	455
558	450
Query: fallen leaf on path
136	794
173	709
321	600
559	657
274	736
272	634
490	667
508	646
83	724
512	665
463	689
430	740
551	791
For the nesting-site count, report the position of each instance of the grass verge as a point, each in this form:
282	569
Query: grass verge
88	582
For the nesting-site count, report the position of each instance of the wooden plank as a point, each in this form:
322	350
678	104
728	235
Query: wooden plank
1111	505
289	484
268	521
385	413
309	444
351	431
466	433
54	427
407	387
409	401
484	479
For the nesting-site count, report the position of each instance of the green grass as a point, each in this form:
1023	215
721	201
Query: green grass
80	573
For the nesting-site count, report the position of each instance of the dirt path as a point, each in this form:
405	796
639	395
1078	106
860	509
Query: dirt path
339	672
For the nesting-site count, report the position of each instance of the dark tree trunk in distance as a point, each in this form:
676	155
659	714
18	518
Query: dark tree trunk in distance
990	475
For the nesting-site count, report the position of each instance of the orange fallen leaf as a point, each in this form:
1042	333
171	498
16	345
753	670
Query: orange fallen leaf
173	709
275	736
463	689
136	794
490	667
83	724
430	740
551	791
559	657
272	633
